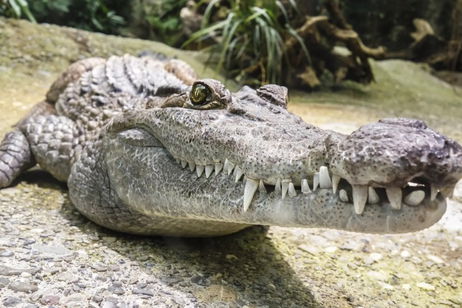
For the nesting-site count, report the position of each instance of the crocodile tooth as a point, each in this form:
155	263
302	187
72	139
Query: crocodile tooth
342	194
335	182
199	170
261	187
292	191
250	188
218	168
238	174
285	187
305	187
324	178
415	197
372	198
315	181
226	165
277	187
433	192
183	164
192	166
359	198
229	166
395	194
208	170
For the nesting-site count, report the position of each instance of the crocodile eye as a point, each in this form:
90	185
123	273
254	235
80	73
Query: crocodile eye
200	94
207	94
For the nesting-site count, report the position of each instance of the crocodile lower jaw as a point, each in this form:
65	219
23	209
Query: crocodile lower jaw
413	194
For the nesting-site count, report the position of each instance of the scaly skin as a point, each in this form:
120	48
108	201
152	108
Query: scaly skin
146	149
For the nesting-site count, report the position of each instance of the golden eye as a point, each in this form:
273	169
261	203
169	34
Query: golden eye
200	94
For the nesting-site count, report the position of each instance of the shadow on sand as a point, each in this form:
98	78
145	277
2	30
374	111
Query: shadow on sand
247	263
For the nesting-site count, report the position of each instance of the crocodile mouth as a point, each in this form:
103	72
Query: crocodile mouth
418	192
224	191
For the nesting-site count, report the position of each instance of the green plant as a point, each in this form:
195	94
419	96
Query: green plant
16	8
249	41
94	15
164	20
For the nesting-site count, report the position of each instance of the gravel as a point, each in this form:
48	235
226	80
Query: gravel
52	256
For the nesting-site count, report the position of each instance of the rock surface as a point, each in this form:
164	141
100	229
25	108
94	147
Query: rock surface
52	256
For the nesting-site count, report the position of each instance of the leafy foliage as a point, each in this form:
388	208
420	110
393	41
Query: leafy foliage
164	20
16	8
96	15
249	40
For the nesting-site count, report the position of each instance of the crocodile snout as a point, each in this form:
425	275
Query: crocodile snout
401	156
395	151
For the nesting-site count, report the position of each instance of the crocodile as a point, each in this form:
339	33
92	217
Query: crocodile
146	147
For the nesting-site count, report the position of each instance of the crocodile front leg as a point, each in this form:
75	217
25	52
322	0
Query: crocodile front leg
49	140
15	157
54	141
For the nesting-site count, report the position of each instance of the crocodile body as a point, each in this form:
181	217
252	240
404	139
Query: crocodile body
146	148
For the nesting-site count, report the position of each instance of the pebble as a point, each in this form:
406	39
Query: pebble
10	271
97	298
112	299
11	301
309	249
51	270
116	289
4	282
372	258
386	286
6	253
50	300
426	286
142	291
108	304
99	267
102	277
10	191
231	257
25	275
73	299
377	275
109	239
200	280
331	249
352	245
56	250
405	254
142	285
68	277
23	286
29	241
435	259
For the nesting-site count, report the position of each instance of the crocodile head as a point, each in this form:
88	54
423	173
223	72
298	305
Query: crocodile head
242	158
